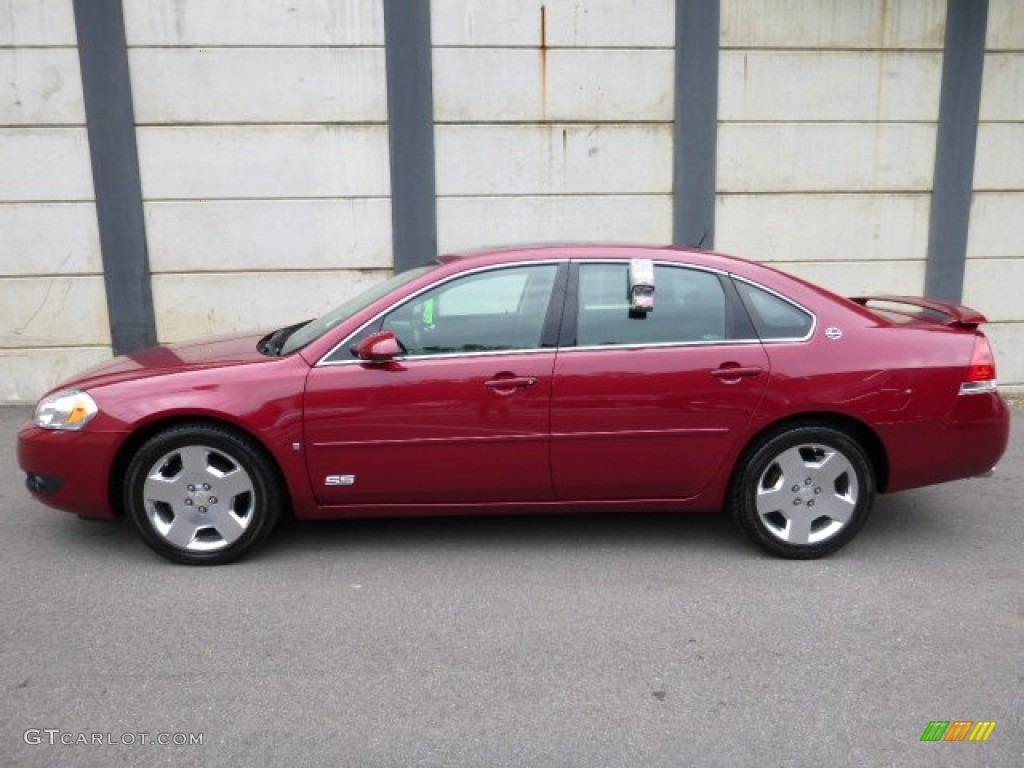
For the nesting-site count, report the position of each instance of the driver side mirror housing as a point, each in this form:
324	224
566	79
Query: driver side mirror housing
380	347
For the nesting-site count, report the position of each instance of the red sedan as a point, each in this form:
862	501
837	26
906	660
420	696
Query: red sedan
568	379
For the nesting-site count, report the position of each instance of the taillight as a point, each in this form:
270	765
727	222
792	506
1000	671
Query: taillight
981	373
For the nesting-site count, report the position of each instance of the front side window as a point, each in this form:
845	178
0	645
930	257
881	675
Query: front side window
497	310
689	307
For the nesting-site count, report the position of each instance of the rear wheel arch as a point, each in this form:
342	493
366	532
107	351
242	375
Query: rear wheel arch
856	430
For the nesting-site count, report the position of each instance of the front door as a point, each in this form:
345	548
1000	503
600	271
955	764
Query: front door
463	416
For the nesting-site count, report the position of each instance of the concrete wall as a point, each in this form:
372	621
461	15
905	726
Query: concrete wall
994	280
553	120
826	143
262	131
53	315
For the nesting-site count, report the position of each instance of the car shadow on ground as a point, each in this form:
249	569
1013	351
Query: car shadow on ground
895	520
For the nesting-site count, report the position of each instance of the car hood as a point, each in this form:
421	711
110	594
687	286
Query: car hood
216	352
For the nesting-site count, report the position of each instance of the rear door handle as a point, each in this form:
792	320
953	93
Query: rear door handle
512	382
736	371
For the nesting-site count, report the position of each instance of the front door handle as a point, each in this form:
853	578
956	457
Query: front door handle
510	383
735	372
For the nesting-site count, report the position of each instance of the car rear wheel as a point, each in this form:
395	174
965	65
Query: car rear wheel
201	494
803	491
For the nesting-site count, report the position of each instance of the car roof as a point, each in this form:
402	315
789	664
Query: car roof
596	251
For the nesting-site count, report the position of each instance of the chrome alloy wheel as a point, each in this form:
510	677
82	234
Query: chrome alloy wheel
198	498
807	494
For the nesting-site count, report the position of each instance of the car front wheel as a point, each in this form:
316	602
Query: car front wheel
804	491
201	494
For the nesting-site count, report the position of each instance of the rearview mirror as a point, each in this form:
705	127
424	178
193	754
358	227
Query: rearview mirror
380	347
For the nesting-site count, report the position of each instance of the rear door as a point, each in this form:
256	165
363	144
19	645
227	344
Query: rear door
650	406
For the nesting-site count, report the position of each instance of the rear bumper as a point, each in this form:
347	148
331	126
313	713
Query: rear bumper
69	471
969	443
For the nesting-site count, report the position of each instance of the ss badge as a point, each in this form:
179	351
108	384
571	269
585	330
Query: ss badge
340	480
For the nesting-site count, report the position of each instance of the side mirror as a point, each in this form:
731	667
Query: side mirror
380	347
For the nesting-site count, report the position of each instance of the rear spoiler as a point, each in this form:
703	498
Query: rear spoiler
955	314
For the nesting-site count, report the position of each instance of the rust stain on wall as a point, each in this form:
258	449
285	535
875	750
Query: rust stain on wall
544	59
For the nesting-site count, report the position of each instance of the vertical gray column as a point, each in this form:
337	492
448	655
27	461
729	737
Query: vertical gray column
411	132
962	68
696	122
110	121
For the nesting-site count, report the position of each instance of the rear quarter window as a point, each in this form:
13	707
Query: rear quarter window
775	318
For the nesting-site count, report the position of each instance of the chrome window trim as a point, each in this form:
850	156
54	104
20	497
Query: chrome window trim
324	361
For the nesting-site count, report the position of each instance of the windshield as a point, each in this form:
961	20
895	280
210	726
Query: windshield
317	328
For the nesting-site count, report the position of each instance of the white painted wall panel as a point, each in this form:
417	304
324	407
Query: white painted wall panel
37	22
852	278
263	161
583	23
251	301
44	238
997	225
243	22
999	161
44	164
27	374
1005	25
862	24
490	84
829	85
553	159
473	222
269	234
824	227
268	85
40	86
1002	87
825	157
1008	344
989	288
53	311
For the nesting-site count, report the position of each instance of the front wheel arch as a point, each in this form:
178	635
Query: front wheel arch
141	436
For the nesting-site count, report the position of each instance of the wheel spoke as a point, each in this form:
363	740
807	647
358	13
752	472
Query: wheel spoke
798	528
772	499
832	468
838	508
227	525
232	484
792	466
195	460
158	488
181	531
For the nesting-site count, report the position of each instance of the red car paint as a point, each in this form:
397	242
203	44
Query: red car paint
554	429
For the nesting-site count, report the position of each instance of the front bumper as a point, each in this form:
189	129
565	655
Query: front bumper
69	471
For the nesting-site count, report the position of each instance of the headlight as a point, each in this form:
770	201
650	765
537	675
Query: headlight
69	410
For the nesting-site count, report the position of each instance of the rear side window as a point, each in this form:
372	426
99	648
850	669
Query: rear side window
689	306
775	318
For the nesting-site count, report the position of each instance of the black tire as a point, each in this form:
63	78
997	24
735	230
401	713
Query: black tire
208	480
803	491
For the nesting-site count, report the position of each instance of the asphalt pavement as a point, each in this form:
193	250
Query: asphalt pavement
612	640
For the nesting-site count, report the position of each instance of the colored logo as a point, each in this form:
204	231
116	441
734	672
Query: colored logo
958	730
